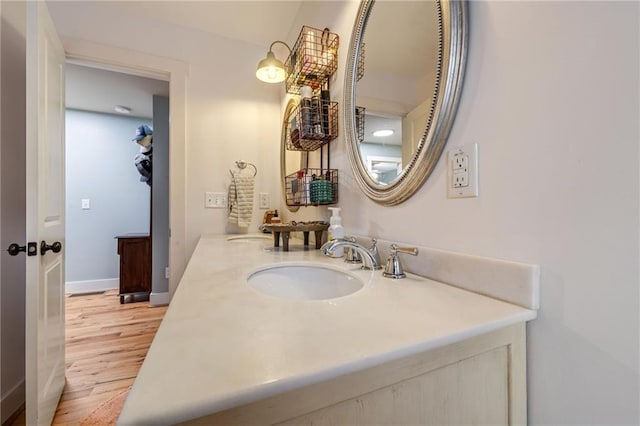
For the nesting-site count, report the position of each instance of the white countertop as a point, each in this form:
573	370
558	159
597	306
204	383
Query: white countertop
224	344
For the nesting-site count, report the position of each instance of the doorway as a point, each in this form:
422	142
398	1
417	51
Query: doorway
109	190
176	72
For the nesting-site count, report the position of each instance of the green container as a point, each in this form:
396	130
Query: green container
321	191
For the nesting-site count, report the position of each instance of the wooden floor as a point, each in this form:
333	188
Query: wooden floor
106	343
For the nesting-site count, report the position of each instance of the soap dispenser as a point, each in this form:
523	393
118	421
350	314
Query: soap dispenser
336	230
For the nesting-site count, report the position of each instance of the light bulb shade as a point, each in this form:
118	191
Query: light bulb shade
271	69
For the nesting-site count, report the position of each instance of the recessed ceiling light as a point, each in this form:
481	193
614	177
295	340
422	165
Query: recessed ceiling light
382	133
122	109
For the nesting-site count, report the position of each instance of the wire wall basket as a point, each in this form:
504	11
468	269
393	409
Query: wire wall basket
313	59
360	123
360	70
312	187
311	124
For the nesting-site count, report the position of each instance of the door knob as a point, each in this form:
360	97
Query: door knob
55	247
31	249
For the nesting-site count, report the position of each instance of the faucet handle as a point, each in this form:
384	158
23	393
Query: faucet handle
353	255
413	251
394	267
373	250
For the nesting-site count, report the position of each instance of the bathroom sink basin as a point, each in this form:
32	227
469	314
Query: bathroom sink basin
249	237
304	282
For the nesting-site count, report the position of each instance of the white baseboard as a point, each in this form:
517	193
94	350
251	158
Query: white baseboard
159	299
75	287
12	401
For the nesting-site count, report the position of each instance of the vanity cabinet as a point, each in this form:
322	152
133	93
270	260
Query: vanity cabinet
480	380
135	267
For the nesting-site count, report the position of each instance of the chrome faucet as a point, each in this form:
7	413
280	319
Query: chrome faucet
371	254
394	268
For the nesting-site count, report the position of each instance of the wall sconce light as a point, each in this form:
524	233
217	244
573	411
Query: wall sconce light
271	69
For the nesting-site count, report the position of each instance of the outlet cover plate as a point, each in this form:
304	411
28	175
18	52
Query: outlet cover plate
462	171
264	200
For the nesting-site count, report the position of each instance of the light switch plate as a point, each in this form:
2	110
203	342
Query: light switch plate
215	200
462	171
86	203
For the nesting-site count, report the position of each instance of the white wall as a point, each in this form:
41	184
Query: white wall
12	198
160	198
100	167
230	114
551	97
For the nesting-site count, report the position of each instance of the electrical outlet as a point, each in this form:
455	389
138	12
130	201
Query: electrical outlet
166	272
462	181
86	203
460	162
264	200
215	200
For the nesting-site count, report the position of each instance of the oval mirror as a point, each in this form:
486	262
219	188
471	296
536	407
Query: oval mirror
403	80
290	161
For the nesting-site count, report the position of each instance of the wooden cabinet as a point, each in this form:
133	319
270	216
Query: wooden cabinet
135	267
481	380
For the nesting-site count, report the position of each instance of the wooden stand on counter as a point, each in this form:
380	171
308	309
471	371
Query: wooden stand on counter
286	228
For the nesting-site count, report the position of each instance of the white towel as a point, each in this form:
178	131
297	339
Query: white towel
241	200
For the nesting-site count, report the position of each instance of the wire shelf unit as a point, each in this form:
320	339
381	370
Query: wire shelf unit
312	187
311	124
313	59
360	117
360	69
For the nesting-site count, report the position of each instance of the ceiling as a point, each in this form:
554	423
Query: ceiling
256	22
400	38
98	90
375	122
261	21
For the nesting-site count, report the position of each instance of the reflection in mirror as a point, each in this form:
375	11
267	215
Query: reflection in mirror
381	149
398	83
403	76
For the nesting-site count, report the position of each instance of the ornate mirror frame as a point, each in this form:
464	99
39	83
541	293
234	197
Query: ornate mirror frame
452	57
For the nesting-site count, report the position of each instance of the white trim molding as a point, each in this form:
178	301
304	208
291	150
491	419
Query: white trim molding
177	73
90	286
159	299
12	401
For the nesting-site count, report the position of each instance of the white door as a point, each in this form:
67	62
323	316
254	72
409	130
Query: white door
413	129
44	369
